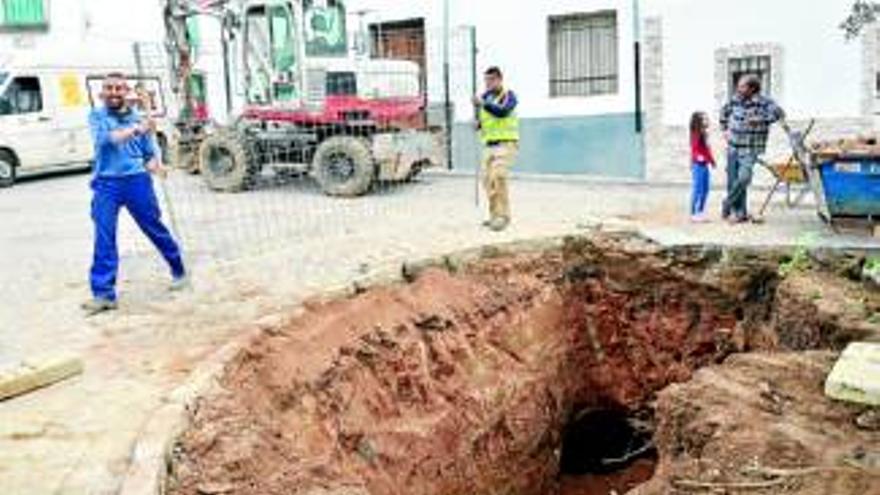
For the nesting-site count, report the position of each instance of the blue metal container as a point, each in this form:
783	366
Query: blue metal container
851	187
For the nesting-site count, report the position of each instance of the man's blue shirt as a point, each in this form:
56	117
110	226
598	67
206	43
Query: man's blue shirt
119	159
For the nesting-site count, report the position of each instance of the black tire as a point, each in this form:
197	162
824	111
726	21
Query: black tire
416	170
164	150
227	162
344	166
183	158
8	166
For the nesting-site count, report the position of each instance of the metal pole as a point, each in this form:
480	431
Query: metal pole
169	206
474	90
446	85
227	80
637	55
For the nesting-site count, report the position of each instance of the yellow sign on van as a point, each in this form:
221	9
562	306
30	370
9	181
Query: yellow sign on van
71	92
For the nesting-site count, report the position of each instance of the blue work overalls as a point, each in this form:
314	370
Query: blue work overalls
121	180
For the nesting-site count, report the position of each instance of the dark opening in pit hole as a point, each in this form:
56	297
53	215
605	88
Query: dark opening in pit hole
606	451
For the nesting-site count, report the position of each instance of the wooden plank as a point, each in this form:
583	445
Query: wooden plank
32	376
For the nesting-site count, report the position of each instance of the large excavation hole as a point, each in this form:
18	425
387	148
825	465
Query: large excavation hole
522	374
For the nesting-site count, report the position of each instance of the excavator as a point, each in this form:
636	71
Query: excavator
309	104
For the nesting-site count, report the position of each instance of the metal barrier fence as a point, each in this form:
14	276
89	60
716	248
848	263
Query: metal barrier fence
368	131
280	179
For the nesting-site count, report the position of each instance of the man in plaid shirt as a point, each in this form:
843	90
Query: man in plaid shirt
746	121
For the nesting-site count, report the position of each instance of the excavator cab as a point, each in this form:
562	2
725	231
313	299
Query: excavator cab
273	53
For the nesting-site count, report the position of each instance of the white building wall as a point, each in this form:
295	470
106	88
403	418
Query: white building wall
821	72
514	36
87	32
816	72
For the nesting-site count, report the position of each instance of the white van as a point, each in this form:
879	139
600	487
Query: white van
44	116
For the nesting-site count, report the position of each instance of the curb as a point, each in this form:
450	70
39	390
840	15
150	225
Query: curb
155	444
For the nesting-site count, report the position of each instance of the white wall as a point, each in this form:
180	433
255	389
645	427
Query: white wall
822	73
513	35
88	32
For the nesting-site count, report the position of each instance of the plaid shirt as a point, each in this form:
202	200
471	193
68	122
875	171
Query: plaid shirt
749	122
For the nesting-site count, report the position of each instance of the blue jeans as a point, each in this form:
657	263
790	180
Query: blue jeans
700	193
740	167
135	193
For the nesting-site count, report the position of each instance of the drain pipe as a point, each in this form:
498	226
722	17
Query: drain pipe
637	56
446	85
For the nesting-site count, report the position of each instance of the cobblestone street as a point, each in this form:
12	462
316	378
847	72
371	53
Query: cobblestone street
252	255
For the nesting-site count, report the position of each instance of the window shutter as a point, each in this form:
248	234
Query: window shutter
24	13
583	54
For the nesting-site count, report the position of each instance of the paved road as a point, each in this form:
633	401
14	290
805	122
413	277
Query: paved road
252	254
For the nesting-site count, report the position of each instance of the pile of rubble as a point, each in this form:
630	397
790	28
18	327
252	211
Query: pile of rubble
858	146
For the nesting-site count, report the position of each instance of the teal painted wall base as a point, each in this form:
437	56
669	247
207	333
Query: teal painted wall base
603	145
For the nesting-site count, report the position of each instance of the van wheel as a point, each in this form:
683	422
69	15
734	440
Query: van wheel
7	169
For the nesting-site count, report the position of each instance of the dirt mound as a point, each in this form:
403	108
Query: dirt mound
760	423
464	383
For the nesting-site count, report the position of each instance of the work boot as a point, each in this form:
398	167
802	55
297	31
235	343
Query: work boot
498	224
179	284
725	210
98	305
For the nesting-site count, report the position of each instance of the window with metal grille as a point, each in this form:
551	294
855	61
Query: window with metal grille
23	13
583	54
744	66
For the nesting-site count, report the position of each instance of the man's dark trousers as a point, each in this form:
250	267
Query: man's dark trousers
136	194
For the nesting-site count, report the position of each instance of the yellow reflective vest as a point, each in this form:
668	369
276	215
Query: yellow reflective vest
495	129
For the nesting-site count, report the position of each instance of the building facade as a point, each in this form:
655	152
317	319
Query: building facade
97	32
571	62
587	106
695	50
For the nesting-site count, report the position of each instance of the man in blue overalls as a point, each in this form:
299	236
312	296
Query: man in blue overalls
125	156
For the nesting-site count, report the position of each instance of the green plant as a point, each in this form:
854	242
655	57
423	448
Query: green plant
800	258
872	268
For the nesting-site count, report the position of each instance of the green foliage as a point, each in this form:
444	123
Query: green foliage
871	270
863	13
800	258
872	265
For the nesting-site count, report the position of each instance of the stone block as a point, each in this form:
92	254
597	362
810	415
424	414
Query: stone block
856	375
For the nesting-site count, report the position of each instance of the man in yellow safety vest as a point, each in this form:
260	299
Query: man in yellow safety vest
499	132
